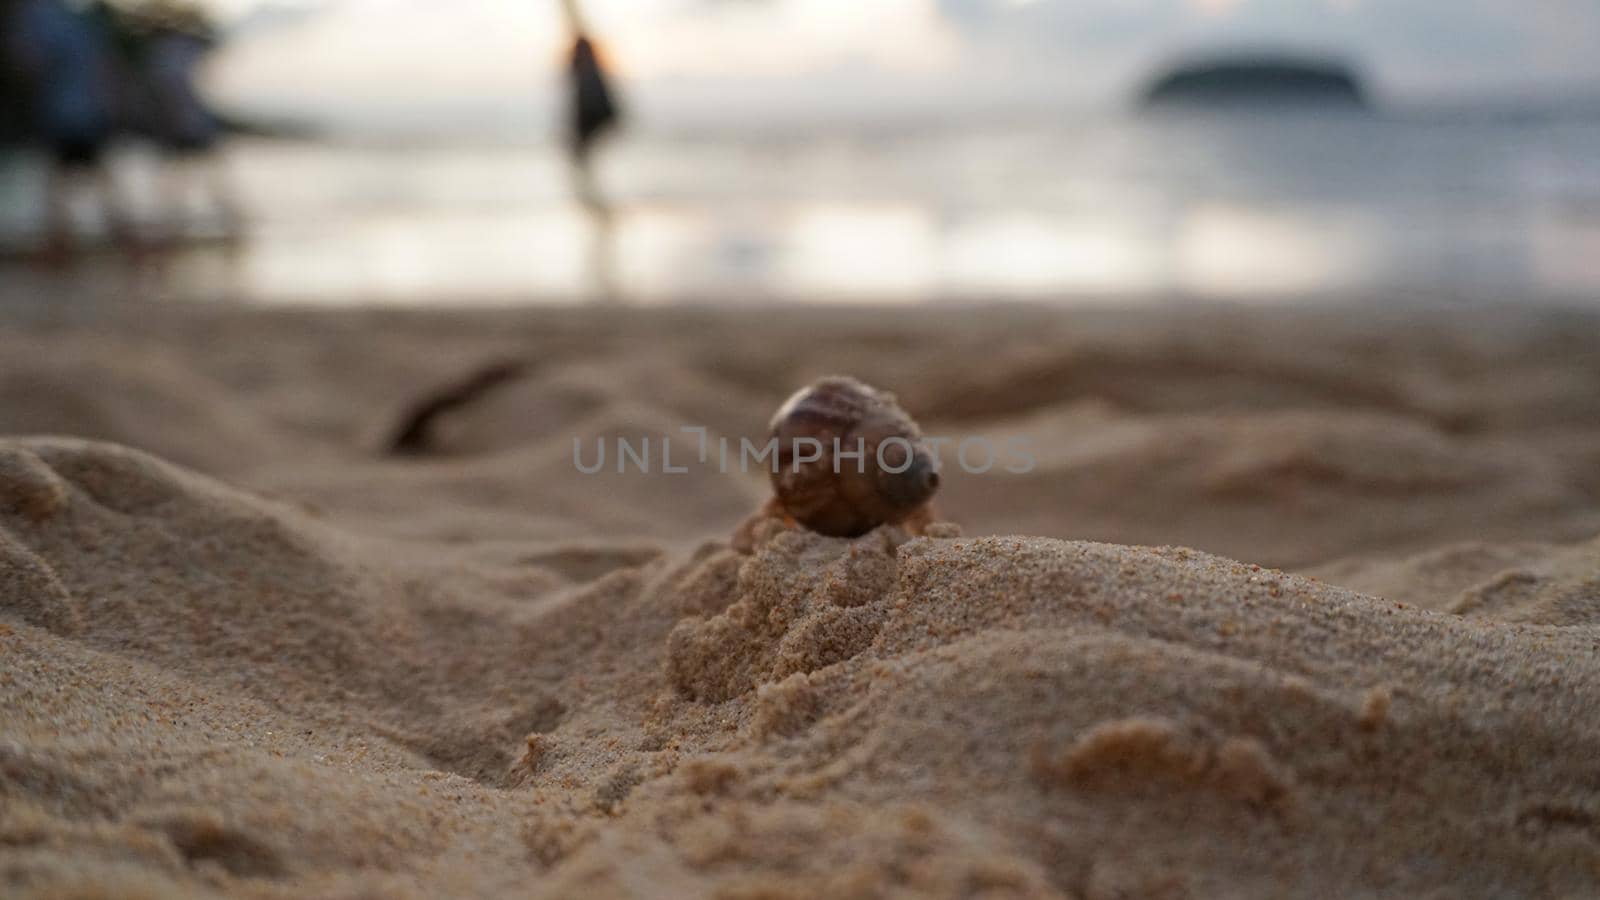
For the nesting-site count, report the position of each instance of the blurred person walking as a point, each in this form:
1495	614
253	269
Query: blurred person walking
173	39
592	112
67	63
16	113
593	109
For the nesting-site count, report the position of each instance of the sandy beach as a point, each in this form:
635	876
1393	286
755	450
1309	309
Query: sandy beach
1294	603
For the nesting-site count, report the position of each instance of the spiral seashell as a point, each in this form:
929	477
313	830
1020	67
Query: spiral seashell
871	466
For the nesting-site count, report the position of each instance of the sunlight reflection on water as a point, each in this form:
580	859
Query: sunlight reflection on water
1119	207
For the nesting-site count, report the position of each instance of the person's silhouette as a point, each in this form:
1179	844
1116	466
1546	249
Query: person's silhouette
593	111
69	66
176	38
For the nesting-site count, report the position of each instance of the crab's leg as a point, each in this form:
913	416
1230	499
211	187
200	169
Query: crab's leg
744	537
917	523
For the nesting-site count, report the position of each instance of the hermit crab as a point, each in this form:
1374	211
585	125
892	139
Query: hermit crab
848	459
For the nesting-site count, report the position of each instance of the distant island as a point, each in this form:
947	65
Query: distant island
1257	81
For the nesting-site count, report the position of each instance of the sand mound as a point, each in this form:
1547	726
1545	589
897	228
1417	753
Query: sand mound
264	702
1093	719
550	403
135	556
1277	486
537	491
1287	437
1533	583
334	674
105	391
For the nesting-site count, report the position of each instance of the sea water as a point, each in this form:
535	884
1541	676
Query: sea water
1110	208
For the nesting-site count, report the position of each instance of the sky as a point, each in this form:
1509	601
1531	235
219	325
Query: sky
496	63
